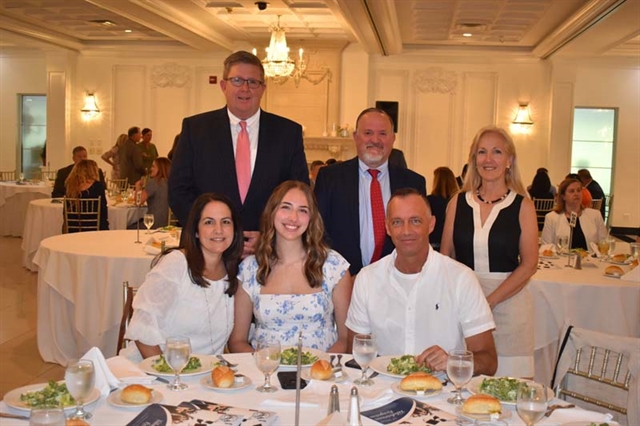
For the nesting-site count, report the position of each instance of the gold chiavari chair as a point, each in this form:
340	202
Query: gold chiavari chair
81	215
128	294
8	175
543	206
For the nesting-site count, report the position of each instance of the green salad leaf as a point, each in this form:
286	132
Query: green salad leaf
503	388
54	394
161	366
406	365
290	357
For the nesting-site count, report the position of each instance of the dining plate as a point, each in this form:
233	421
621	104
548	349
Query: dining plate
548	257
379	365
474	387
208	363
115	399
306	375
313	352
612	275
505	414
207	382
12	398
413	394
625	263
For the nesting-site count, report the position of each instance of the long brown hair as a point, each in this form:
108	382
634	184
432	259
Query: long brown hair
312	239
562	189
444	183
164	166
84	171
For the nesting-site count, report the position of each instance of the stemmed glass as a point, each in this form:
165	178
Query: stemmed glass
365	350
267	360
562	242
177	352
612	246
531	402
47	416
80	378
459	371
603	248
148	221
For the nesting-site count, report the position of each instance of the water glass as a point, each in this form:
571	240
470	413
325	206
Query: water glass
531	402
612	245
47	416
267	357
635	250
80	378
603	248
148	221
459	371
177	353
365	350
562	243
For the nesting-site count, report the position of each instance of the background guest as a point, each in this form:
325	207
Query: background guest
176	139
444	186
189	291
84	182
463	174
79	154
593	187
131	164
112	158
294	282
540	186
156	193
313	171
589	227
552	187
586	195
147	149
396	159
491	227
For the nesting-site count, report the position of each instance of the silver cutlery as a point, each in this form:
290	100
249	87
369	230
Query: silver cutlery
225	362
13	416
337	370
332	359
555	407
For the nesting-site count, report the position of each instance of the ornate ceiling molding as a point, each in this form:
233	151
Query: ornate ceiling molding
170	75
436	80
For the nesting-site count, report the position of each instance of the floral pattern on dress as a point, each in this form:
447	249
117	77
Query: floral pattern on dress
282	316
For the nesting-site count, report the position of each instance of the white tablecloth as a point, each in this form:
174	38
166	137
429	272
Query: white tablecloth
44	220
315	398
14	200
80	290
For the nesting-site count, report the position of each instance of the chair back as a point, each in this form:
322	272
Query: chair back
599	371
48	174
81	215
117	185
596	204
543	206
607	207
127	312
8	175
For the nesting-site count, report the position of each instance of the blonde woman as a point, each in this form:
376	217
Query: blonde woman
84	182
112	157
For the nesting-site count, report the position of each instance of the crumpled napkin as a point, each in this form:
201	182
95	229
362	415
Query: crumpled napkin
106	378
594	249
571	415
632	275
160	237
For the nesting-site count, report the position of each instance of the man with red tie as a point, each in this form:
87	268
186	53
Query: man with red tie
239	150
353	195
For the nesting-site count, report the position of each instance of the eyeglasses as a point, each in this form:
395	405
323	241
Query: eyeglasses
239	82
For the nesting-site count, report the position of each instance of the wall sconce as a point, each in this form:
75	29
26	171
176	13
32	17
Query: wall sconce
90	109
523	116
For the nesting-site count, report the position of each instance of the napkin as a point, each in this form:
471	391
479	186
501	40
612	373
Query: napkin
594	249
632	275
335	418
127	372
571	415
124	372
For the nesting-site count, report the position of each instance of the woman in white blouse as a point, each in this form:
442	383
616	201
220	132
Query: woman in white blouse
190	290
589	227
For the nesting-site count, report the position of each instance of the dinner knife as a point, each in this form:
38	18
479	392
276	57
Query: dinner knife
13	416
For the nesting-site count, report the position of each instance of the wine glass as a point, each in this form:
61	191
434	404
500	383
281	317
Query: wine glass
80	378
365	350
267	360
531	402
148	221
47	416
562	242
612	246
603	248
177	352
459	371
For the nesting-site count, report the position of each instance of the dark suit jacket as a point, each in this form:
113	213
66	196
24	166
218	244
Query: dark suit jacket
58	186
597	194
338	200
204	161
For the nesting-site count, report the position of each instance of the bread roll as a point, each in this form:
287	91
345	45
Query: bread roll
613	270
321	370
76	422
481	404
619	258
548	253
136	394
420	381
223	377
634	263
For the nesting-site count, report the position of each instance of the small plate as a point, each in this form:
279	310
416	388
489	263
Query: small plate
306	375
414	394
625	263
115	400
379	365
208	383
12	398
314	352
505	414
612	275
208	363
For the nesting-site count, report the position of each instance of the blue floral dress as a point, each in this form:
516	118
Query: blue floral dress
282	316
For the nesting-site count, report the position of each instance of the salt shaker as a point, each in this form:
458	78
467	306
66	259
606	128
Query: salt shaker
354	409
334	400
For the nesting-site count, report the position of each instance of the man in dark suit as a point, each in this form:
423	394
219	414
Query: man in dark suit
205	158
593	187
344	190
79	154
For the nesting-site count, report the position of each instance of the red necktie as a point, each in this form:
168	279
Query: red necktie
377	212
243	161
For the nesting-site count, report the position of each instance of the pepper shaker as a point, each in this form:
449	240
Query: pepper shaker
334	400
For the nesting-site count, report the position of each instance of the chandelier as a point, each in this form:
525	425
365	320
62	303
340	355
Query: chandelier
279	67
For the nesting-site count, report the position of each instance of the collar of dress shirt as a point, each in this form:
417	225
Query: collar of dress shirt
383	168
251	121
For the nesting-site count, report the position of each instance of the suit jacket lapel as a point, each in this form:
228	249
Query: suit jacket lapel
352	186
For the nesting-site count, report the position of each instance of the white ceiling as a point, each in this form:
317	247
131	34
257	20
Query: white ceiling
539	28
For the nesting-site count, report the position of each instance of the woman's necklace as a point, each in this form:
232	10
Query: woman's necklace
492	201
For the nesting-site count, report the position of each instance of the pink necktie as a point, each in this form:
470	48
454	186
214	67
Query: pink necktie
243	161
377	211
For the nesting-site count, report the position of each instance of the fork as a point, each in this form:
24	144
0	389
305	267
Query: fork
225	362
555	407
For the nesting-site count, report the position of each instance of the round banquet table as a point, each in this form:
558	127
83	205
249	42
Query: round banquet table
80	290
14	200
44	220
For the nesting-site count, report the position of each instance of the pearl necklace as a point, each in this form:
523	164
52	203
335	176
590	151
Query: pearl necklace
492	201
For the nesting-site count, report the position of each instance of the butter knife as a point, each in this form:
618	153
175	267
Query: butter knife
13	416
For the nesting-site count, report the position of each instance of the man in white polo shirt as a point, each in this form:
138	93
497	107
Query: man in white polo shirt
417	301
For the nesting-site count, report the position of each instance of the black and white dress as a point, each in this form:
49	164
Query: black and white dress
492	251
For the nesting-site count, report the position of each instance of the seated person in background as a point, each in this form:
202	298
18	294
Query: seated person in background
444	186
156	193
313	171
552	187
294	282
189	290
589	228
540	187
418	301
79	153
83	183
593	187
586	195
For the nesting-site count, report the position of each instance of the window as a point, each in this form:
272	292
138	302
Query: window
33	134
